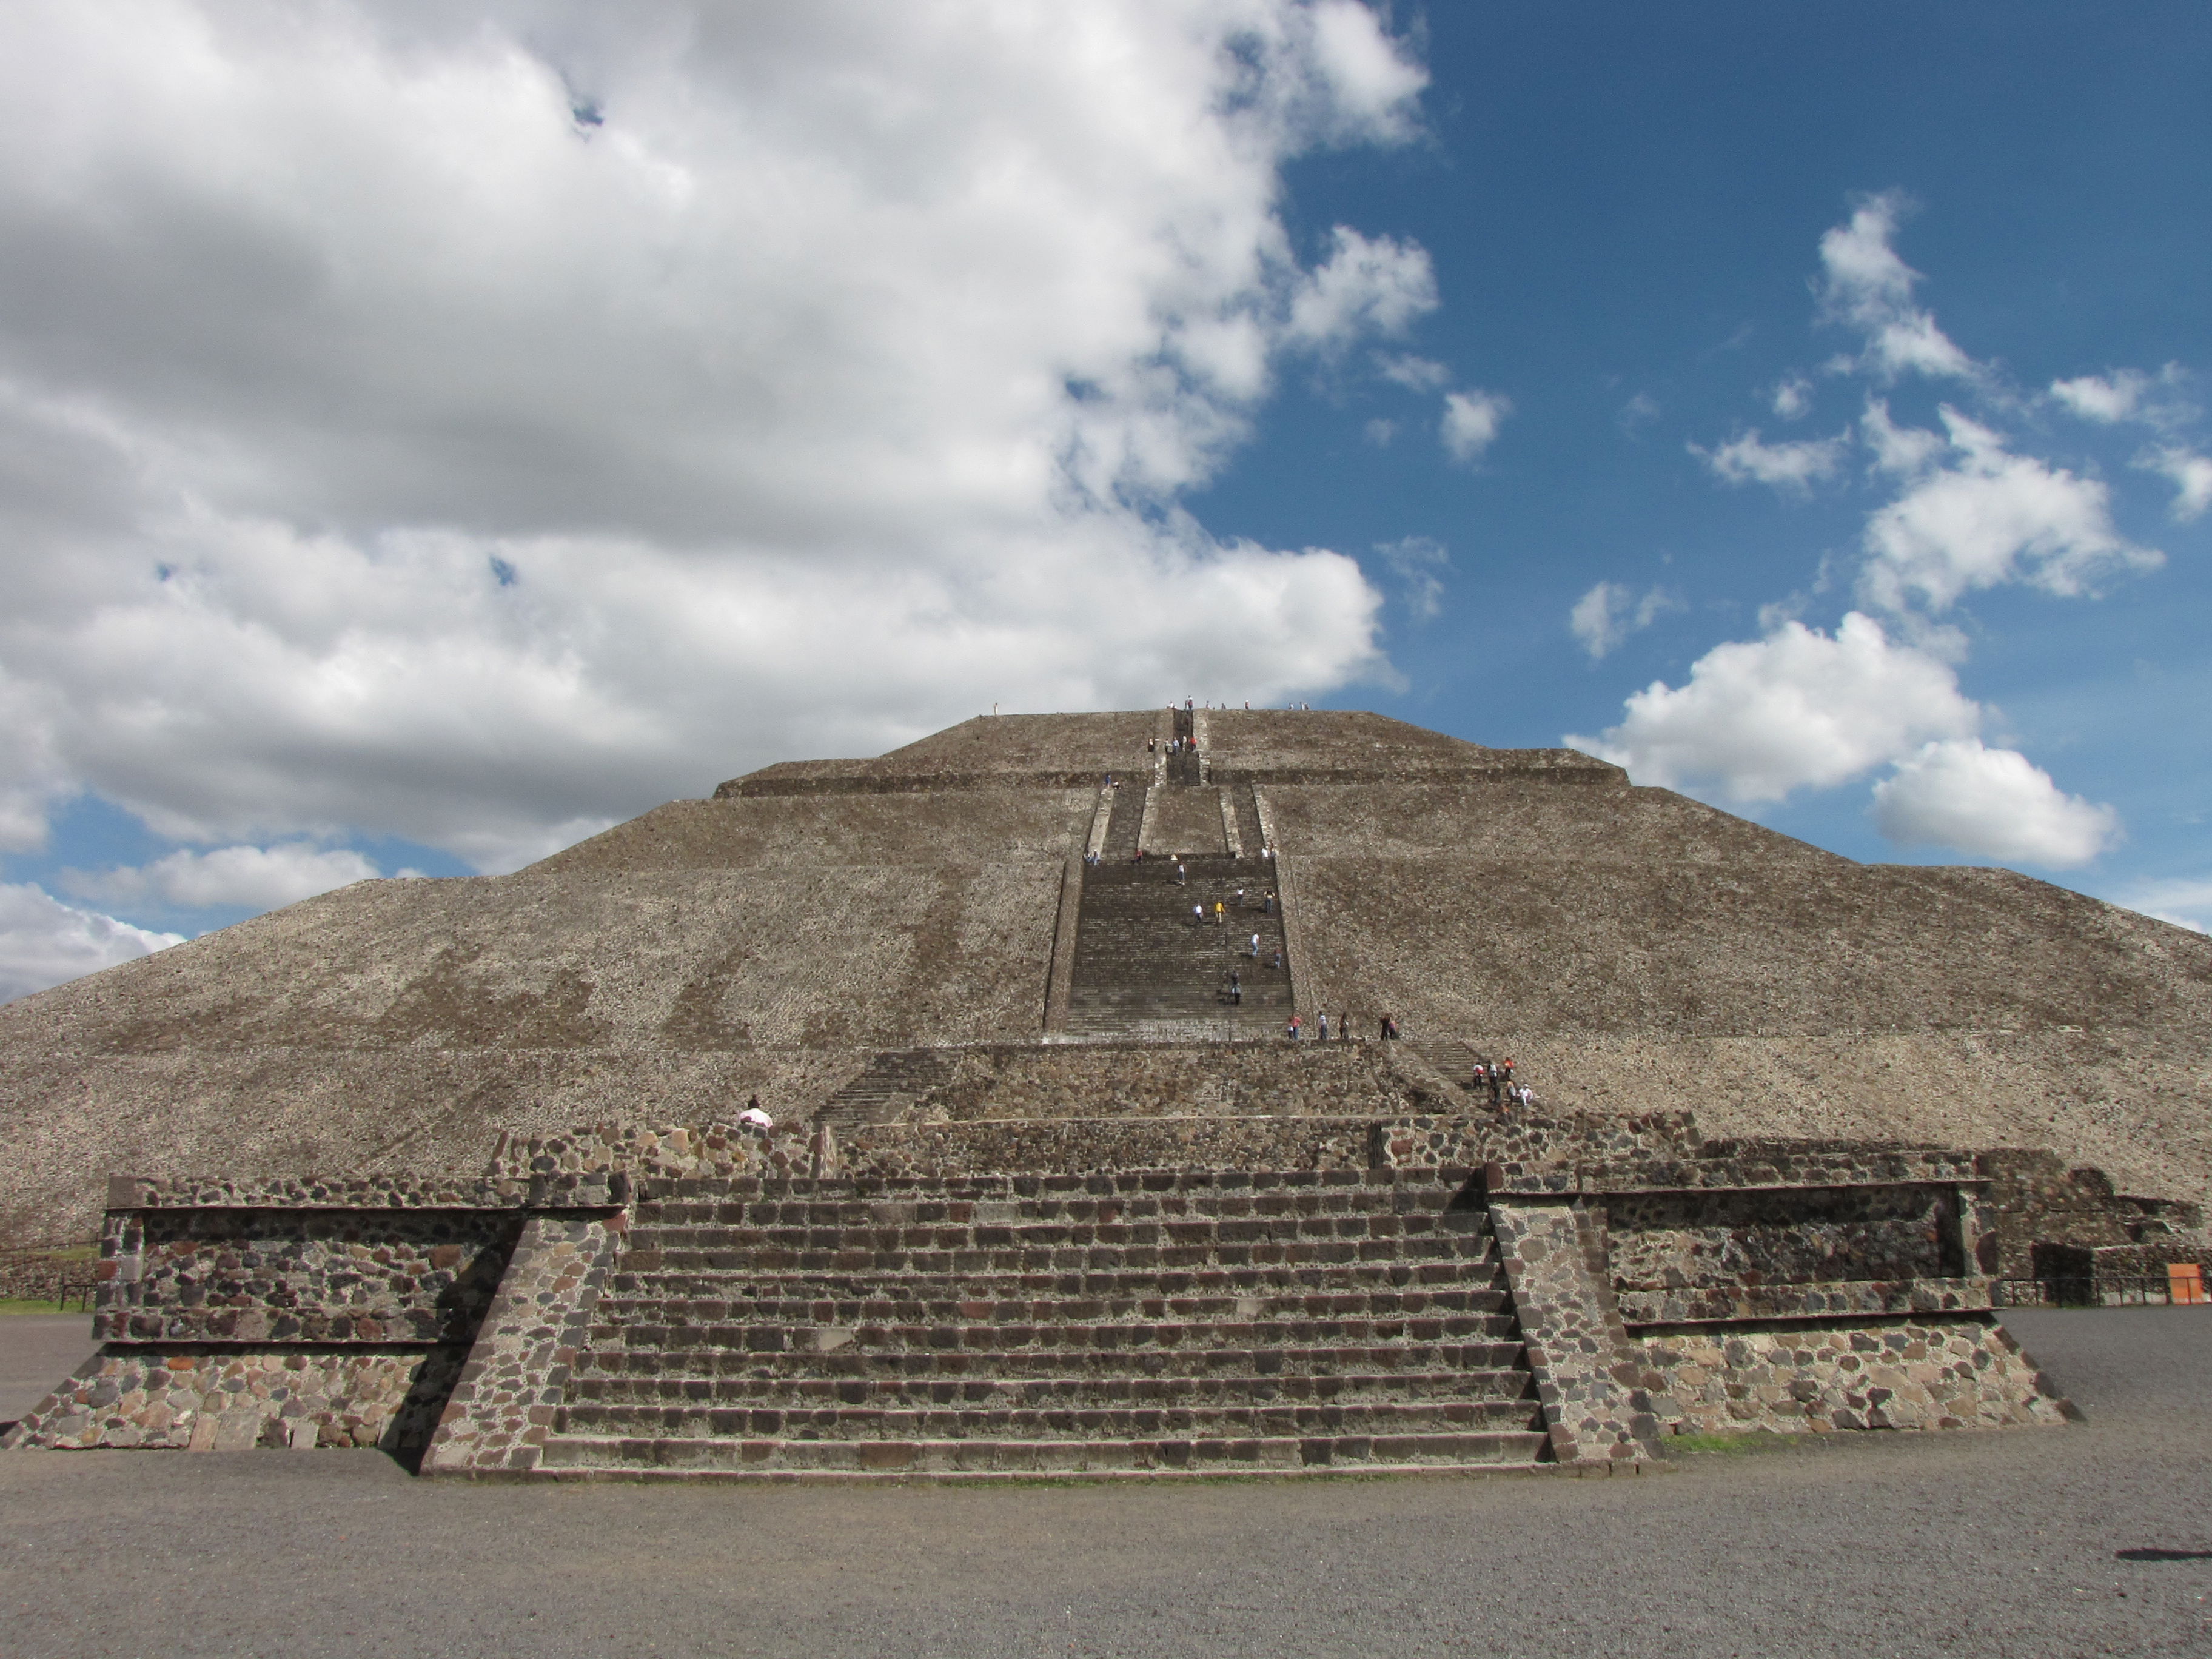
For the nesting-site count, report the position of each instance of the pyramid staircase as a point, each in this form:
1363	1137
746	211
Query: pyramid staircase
1000	1326
1145	968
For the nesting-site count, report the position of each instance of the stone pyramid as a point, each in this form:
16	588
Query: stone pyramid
925	933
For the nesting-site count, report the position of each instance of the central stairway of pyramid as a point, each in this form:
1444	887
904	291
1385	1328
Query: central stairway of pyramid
1148	1321
1153	961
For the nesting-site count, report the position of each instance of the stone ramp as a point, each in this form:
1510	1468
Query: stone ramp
1145	1322
1146	969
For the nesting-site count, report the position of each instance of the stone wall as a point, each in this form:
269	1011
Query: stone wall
297	1312
225	1398
278	1275
1700	1240
1900	1374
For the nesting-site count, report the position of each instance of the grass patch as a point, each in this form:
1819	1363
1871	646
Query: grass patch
29	1307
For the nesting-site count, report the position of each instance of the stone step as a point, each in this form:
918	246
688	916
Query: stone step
1048	1233
1379	1418
888	1305
1098	1184
975	1338
1041	1392
1122	822
1060	1208
1500	1351
788	1459
1110	1283
1069	1258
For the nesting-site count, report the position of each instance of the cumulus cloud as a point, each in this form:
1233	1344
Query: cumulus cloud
1786	466
44	942
1610	612
1471	421
1760	719
393	450
2127	394
1989	516
1993	802
1363	286
252	878
1793	398
2190	475
1866	287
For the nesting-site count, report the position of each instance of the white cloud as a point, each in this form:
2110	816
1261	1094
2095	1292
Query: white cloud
1994	803
1990	516
1418	562
1371	79
1415	374
392	452
1761	718
1786	466
1610	612
1793	398
1471	421
255	877
2104	398
1380	432
1904	450
2127	394
1365	285
2190	475
44	942
1866	287
2184	902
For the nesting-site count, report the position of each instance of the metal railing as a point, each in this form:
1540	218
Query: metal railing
2104	1290
65	1274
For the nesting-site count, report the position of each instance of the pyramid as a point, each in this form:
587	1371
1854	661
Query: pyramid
1633	949
1154	1094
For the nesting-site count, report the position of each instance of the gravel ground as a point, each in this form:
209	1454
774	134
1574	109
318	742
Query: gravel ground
2093	1539
36	1351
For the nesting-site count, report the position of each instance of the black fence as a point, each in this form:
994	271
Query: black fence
2104	1290
65	1274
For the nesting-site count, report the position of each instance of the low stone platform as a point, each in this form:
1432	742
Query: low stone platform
1066	1296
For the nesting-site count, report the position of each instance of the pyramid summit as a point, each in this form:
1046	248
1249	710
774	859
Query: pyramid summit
1152	1094
1633	949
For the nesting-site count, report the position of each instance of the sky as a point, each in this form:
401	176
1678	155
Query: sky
430	432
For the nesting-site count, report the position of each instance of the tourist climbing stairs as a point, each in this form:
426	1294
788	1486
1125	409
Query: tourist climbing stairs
1147	968
1145	1322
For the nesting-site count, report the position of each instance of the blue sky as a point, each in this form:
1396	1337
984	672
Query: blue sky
427	435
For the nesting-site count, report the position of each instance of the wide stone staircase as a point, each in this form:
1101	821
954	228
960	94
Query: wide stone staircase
1146	1321
1144	967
